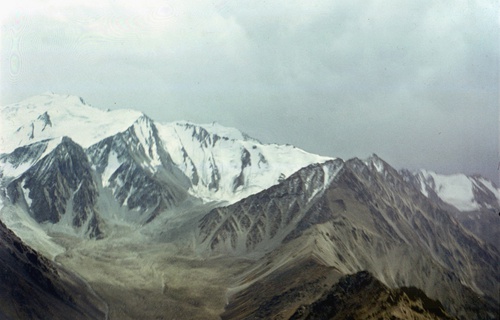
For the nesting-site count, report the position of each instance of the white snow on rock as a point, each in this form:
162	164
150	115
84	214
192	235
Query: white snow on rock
50	115
208	150
222	163
456	190
113	164
488	184
9	170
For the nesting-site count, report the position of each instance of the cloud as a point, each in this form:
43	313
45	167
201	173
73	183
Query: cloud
415	82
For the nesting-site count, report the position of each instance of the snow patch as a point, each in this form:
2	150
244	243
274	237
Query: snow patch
9	170
456	190
51	145
26	195
378	166
423	187
113	164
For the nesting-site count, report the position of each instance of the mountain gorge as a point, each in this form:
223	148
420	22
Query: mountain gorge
165	213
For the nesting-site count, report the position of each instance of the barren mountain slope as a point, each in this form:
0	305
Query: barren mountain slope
32	287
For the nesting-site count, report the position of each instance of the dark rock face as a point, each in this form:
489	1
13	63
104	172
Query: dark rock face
245	162
61	180
146	178
32	287
45	120
143	191
483	224
361	296
215	176
309	290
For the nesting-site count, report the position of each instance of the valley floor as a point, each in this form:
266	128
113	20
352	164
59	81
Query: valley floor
144	280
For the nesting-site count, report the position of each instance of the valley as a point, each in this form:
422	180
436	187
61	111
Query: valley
146	220
151	281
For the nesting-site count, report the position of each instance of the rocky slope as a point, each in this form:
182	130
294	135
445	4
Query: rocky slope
361	296
181	198
362	217
82	168
32	287
59	187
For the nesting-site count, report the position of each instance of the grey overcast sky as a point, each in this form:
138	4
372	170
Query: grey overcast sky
416	82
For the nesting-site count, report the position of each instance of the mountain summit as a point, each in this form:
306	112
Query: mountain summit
190	221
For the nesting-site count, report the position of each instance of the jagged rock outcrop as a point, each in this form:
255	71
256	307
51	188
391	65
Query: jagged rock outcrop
138	170
60	186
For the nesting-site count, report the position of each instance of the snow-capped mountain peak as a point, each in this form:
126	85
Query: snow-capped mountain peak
188	194
214	162
49	98
49	116
465	193
377	163
224	164
147	135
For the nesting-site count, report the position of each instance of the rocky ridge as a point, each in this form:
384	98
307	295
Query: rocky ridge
215	193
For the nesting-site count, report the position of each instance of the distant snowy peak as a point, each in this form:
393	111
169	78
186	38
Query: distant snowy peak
224	164
49	98
464	192
213	162
378	164
51	116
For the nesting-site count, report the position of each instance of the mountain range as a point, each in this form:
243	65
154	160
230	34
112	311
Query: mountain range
141	219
